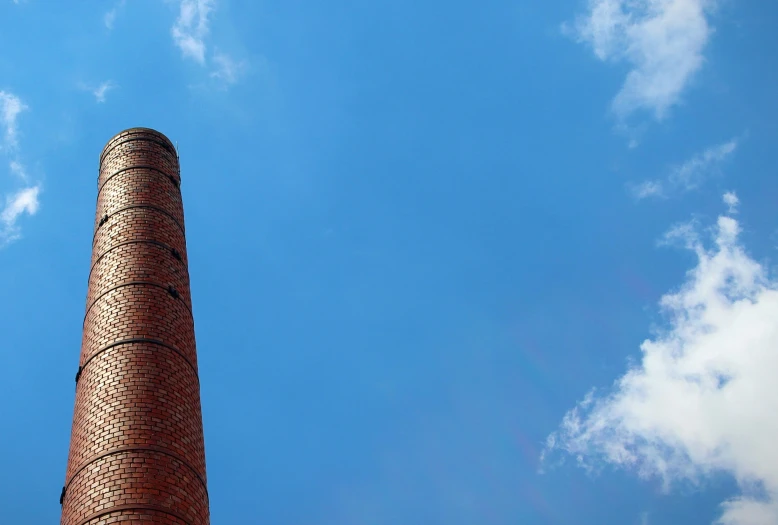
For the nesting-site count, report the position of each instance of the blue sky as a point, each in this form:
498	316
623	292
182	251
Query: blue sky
452	263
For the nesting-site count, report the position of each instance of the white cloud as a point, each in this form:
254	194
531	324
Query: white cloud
24	201
18	170
110	17
227	70
191	28
661	40
731	200
10	107
689	175
100	91
649	188
703	397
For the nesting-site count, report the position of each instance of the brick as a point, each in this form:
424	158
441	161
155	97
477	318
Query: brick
137	452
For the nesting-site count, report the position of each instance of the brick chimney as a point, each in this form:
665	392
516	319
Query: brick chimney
136	449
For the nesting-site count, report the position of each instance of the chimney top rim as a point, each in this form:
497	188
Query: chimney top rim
150	131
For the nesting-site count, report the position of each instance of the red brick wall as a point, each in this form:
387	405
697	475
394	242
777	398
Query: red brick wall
136	449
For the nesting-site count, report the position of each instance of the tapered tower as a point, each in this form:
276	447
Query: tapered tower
136	448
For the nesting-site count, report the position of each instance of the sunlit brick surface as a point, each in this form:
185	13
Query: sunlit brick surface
136	449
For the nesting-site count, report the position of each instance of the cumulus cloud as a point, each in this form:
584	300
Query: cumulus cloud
689	175
703	397
23	201
662	41
191	28
10	107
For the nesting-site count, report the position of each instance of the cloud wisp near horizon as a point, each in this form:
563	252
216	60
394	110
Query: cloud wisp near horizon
702	398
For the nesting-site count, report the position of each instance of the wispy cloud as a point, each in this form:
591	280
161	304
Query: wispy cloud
100	91
689	175
227	70
191	27
649	188
10	107
731	200
23	201
190	31
703	397
662	40
110	17
18	170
